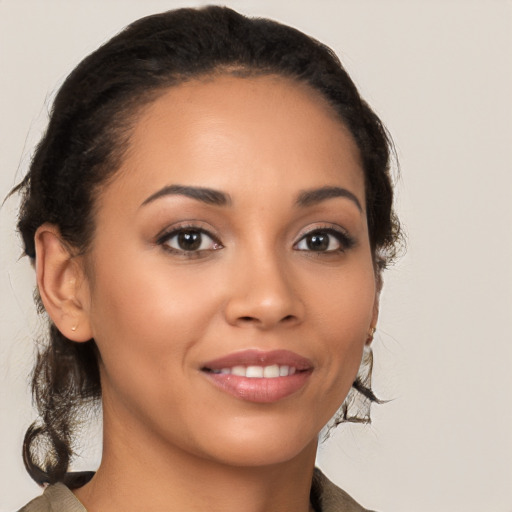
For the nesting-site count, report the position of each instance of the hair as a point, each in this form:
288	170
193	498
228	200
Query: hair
88	133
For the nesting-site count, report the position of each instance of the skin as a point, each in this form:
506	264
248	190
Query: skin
159	313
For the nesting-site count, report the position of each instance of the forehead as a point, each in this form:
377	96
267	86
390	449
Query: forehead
228	132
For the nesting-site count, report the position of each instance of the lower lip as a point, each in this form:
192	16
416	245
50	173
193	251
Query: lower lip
260	390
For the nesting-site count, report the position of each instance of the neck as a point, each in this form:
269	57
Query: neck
137	473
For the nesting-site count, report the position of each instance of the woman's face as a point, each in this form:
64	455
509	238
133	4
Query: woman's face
230	281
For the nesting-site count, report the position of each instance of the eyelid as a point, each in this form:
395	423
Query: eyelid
346	240
171	231
176	227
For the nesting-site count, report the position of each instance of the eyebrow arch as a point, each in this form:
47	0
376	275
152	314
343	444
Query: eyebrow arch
205	195
317	195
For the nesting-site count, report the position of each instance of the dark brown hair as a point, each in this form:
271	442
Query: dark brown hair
88	132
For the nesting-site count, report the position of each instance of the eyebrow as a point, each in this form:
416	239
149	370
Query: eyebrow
205	195
317	195
217	198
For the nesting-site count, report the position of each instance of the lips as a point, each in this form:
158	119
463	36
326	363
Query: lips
254	371
257	376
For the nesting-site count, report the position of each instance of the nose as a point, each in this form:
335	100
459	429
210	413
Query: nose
263	294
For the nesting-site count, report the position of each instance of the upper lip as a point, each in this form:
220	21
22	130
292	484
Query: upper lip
260	358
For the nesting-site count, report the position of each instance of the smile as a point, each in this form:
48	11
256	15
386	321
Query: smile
255	372
262	377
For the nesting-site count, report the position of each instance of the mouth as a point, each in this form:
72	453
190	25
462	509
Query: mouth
256	372
256	376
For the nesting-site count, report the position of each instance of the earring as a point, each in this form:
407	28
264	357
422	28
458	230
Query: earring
73	328
371	333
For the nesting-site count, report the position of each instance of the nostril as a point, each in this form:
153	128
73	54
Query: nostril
287	318
251	319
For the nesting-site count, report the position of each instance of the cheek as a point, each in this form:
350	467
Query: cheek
144	324
343	312
343	303
150	319
137	291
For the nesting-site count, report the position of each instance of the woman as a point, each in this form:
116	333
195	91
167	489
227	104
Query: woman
209	214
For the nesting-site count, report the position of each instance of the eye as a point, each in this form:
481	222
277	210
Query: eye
324	240
189	240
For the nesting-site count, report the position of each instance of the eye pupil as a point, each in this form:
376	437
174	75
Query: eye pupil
318	242
189	240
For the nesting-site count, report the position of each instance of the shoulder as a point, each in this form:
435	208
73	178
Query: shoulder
327	497
56	498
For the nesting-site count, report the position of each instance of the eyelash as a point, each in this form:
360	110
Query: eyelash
166	237
342	239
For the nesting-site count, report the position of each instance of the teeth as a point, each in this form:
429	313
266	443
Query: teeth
238	370
254	372
258	372
270	372
283	371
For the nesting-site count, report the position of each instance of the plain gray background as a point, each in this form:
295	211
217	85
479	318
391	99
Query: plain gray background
440	75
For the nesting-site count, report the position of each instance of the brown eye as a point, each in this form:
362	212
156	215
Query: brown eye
188	240
318	242
324	240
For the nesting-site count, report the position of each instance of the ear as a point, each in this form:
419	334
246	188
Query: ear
375	317
62	284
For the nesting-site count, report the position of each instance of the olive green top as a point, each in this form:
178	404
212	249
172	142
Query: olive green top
325	497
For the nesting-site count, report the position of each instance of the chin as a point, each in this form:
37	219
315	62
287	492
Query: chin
265	446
